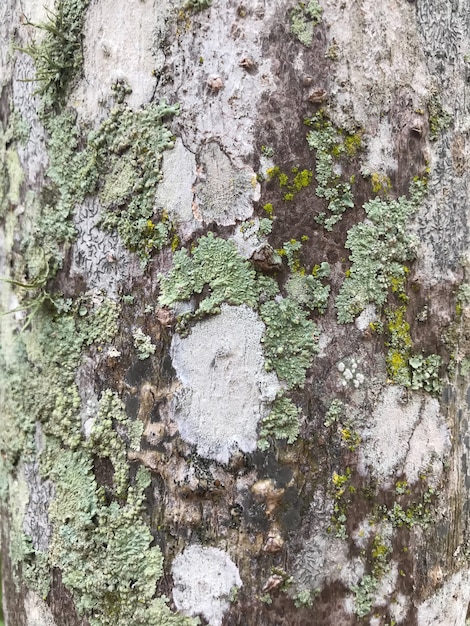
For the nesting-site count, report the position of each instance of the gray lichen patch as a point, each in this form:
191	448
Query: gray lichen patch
36	520
223	194
225	388
98	256
404	434
204	578
175	191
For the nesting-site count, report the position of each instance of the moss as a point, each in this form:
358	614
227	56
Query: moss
380	246
340	491
269	210
290	340
281	423
353	143
329	145
214	264
399	345
405	367
304	17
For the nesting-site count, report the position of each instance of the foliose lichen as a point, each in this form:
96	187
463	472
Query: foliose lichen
329	145
308	290
281	423
380	247
304	17
214	264
143	344
290	340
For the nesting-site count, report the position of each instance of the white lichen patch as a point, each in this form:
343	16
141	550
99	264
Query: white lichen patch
225	389
366	318
404	434
449	604
349	373
223	193
120	38
37	612
203	581
175	190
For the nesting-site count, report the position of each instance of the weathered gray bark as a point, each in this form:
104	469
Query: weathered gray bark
235	368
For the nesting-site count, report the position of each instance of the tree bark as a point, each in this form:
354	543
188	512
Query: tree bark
235	345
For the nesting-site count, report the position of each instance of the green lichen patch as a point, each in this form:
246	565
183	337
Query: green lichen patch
304	17
121	162
127	149
214	265
58	57
380	246
11	173
404	367
107	443
290	340
104	550
281	423
364	595
439	119
309	291
143	344
329	145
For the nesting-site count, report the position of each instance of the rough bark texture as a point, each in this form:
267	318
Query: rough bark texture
234	372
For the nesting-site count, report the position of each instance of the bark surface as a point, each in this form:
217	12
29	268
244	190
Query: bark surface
236	344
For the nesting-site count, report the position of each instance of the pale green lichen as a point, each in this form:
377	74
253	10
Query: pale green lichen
214	265
364	595
439	119
329	145
304	17
105	441
104	551
335	410
308	290
281	423
380	246
58	57
11	172
290	340
405	367
143	344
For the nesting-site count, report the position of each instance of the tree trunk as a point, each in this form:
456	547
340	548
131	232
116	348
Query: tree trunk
236	341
